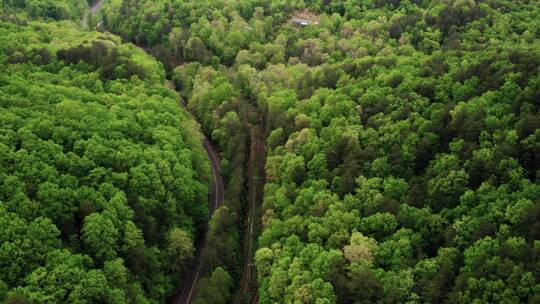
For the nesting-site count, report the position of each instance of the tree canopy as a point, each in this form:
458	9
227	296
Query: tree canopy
103	179
402	145
402	135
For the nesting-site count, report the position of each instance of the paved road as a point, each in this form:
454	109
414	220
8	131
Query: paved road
216	198
93	10
96	6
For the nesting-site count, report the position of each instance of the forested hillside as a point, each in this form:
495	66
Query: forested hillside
405	157
48	9
103	179
403	137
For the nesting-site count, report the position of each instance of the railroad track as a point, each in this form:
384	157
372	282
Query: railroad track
256	181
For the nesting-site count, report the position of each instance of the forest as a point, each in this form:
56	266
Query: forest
402	150
103	179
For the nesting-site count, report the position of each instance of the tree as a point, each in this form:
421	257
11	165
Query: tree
179	248
445	188
215	289
101	161
360	249
413	124
100	237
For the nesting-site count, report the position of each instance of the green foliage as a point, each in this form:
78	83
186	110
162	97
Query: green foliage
102	175
215	289
402	145
402	136
180	248
100	236
47	9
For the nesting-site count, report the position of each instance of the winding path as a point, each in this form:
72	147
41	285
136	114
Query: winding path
93	10
215	201
96	6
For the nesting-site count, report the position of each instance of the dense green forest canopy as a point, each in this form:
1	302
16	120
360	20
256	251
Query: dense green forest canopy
403	143
403	138
47	9
103	179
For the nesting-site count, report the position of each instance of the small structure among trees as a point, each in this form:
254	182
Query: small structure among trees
304	18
